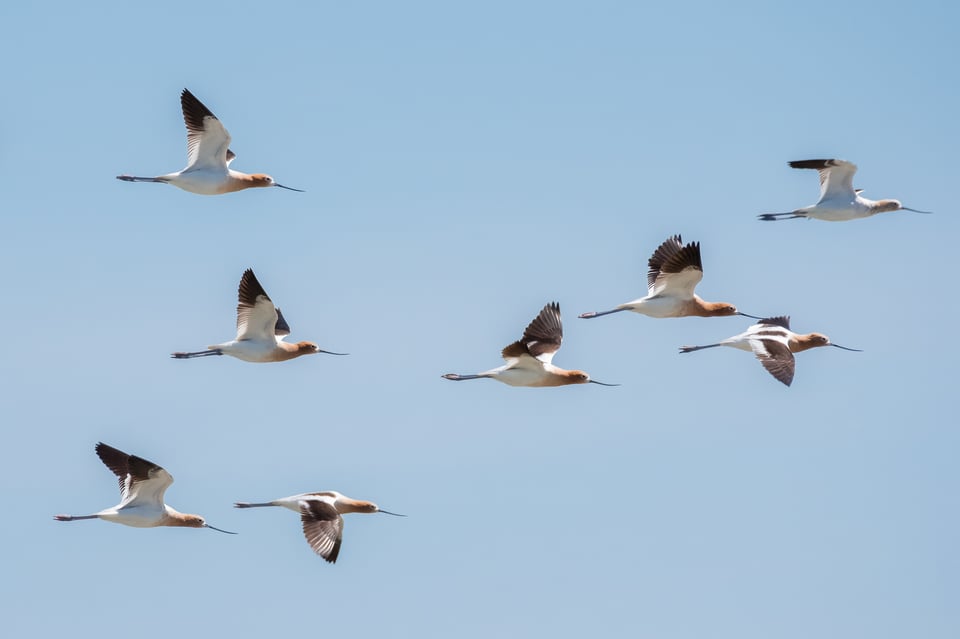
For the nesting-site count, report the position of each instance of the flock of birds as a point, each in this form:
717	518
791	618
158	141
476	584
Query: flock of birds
675	270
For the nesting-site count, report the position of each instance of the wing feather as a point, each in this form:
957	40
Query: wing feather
836	177
675	268
257	318
776	357
139	479
281	329
781	320
323	528
542	337
207	140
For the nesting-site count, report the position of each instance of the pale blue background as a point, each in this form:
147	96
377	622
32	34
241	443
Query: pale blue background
465	165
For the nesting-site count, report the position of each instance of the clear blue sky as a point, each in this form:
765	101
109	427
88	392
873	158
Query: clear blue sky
463	167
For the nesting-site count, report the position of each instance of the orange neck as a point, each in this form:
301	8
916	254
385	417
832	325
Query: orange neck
346	505
801	343
181	520
699	308
289	351
239	181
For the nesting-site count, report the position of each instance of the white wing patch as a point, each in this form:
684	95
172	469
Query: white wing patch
679	285
257	323
147	492
836	181
532	363
208	149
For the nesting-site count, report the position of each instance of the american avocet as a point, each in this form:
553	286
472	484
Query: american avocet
320	514
774	344
142	485
675	271
529	359
839	201
260	330
208	157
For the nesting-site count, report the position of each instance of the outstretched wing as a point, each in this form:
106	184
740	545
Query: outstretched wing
139	479
281	329
675	269
257	318
776	357
542	337
836	177
782	321
207	140
323	528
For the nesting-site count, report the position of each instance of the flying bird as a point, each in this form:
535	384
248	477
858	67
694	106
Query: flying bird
774	344
529	360
839	201
208	157
674	272
321	516
260	330
142	485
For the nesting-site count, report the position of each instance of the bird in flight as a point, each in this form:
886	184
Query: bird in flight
839	201
209	156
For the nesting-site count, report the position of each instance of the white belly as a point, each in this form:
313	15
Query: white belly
523	376
138	517
249	350
204	182
741	342
658	307
837	211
